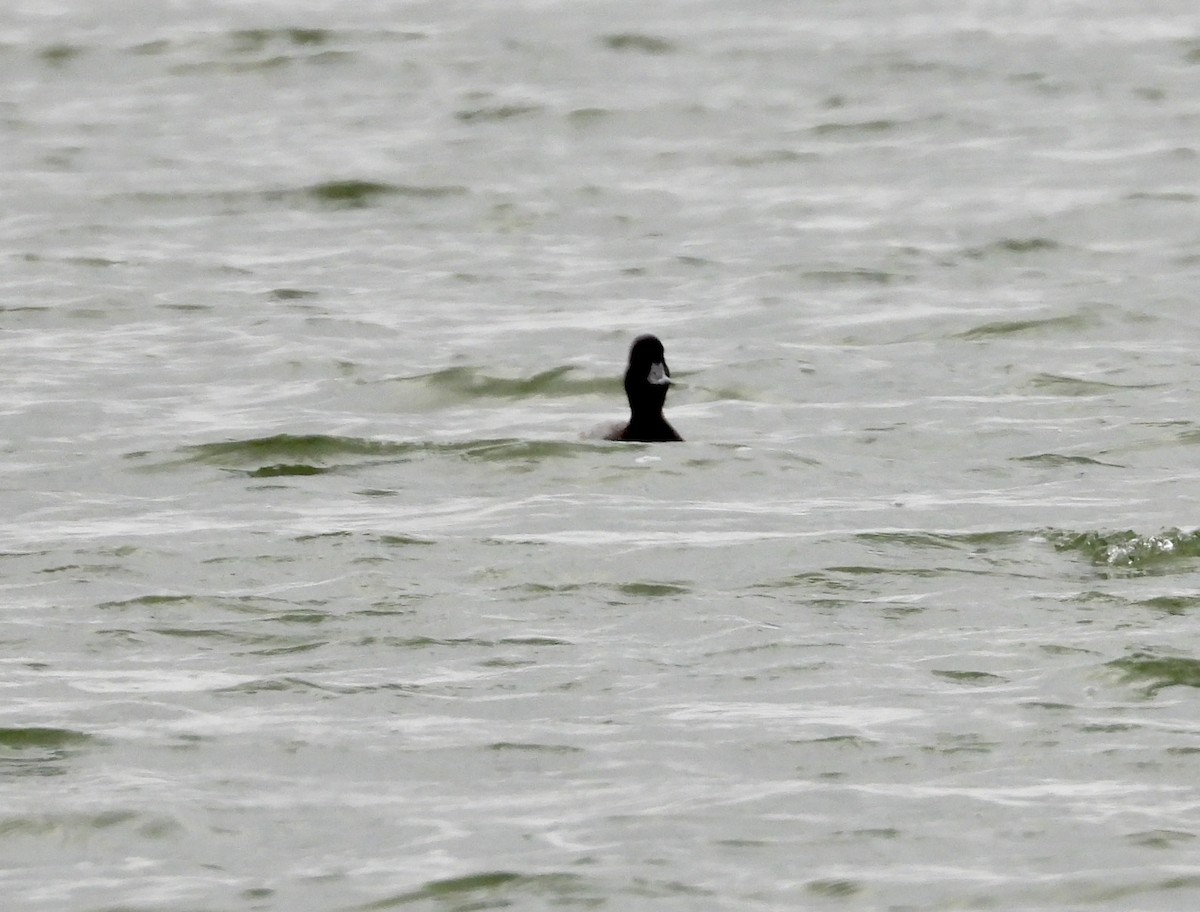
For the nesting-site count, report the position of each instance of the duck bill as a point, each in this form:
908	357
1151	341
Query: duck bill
659	375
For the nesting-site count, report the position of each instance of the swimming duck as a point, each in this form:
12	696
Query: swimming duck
646	381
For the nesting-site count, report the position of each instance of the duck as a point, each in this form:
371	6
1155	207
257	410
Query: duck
647	379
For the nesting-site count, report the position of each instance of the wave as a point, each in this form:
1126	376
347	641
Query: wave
638	43
960	541
492	889
1071	323
1058	460
851	276
281	455
237	50
1009	246
1073	386
855	128
471	383
35	738
1154	671
1128	548
38	751
496	112
339	193
357	193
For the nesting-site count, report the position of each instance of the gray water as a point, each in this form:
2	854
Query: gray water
314	597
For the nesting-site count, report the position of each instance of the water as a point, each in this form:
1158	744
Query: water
314	597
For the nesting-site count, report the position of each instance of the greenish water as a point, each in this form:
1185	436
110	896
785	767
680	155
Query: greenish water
316	595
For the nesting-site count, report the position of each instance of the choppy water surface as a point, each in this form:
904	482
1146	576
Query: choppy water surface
314	598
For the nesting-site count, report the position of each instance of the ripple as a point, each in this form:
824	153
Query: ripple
283	470
845	276
1074	386
41	738
74	826
638	43
535	748
854	128
1072	323
968	541
1155	672
358	193
344	193
1058	460
652	590
468	383
836	889
60	54
143	682
970	677
496	113
1007	246
295	454
490	889
1160	839
1171	604
252	41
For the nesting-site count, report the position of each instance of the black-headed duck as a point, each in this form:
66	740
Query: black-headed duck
646	382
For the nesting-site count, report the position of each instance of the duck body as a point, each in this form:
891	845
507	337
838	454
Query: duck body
647	379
